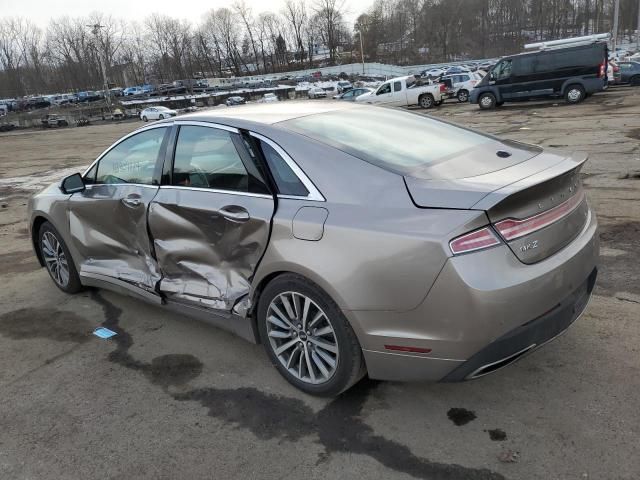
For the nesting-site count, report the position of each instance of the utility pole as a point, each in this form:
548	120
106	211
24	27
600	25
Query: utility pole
362	49
616	12
638	29
95	30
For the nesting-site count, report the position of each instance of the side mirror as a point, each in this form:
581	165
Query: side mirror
73	184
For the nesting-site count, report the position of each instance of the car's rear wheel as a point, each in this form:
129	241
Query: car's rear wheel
635	81
426	100
57	259
463	96
574	94
161	117
307	337
487	101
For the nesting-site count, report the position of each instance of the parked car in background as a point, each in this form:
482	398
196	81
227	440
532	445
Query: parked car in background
316	92
433	73
293	247
269	97
132	91
456	69
459	85
351	95
343	86
235	100
406	91
117	114
157	113
629	73
53	120
88	96
572	72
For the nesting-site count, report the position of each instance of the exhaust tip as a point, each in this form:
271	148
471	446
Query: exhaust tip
498	364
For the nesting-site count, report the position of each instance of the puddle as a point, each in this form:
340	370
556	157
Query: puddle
57	325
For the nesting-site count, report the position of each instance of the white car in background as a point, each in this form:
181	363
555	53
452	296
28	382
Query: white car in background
269	97
316	92
157	113
433	72
460	84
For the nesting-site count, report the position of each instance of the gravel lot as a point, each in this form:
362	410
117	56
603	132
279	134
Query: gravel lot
170	397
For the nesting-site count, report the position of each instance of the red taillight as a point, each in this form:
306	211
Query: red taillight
443	87
512	228
602	70
472	241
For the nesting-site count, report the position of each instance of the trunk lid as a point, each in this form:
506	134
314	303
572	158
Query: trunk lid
536	204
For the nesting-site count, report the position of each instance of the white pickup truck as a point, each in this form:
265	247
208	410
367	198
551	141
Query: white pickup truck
405	91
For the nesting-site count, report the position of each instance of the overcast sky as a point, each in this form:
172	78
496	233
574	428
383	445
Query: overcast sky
40	11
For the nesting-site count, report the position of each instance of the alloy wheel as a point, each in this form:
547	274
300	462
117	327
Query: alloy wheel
486	101
302	337
55	259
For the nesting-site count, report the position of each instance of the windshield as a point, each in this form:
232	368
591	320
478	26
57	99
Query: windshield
398	141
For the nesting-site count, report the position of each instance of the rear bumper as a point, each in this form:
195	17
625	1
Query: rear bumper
483	307
526	338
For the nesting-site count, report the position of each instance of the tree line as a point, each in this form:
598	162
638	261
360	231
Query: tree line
73	53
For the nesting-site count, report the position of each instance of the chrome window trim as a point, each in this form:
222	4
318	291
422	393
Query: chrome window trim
215	190
145	185
197	123
122	139
314	193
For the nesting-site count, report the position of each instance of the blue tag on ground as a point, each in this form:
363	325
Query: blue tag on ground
103	332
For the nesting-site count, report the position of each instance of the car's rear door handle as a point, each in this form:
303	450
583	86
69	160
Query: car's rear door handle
132	200
235	213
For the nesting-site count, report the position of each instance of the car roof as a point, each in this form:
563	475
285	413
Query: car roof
267	113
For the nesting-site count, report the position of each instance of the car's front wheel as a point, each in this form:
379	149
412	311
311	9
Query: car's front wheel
307	337
463	96
145	119
161	117
57	259
487	101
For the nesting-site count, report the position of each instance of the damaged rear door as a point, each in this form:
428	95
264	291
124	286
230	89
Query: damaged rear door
108	221
210	221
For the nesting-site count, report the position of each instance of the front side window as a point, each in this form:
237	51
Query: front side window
207	158
386	88
286	180
503	70
348	94
133	160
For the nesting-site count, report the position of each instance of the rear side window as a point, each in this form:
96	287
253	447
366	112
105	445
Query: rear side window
397	86
207	158
133	160
286	180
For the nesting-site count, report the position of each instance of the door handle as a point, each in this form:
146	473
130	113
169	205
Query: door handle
133	200
235	213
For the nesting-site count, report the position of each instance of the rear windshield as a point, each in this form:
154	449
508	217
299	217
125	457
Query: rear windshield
399	141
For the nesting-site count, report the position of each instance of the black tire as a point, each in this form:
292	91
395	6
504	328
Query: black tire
73	285
574	94
350	365
463	96
160	117
487	101
635	81
426	101
145	118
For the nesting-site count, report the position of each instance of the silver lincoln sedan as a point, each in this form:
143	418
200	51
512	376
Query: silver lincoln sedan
347	239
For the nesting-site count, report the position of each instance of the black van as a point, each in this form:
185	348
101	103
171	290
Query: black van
572	72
